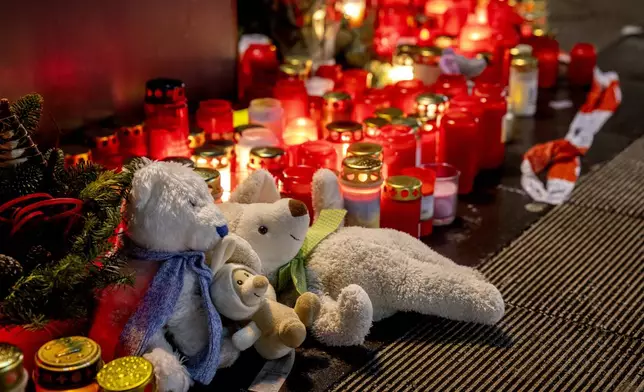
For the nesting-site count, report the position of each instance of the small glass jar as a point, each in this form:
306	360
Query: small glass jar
76	154
342	134
296	184
272	159
360	182
133	142
372	100
293	97
399	148
372	127
215	117
458	146
451	85
337	106
445	193
401	204
127	374
105	147
583	58
68	364
227	145
356	81
167	130
254	137
318	154
365	149
406	92
426	67
494	104
213	179
389	114
267	112
13	375
523	88
428	177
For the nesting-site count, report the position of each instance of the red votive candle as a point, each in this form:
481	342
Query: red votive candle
494	104
296	184
318	154
450	85
458	146
399	148
401	204
342	134
336	106
472	105
428	177
406	93
258	71
332	72
426	67
133	141
292	94
105	147
583	59
162	91
385	39
355	82
372	100
215	117
548	56
168	131
272	159
373	126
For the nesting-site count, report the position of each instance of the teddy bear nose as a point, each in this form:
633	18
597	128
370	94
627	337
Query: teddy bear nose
260	282
297	208
222	230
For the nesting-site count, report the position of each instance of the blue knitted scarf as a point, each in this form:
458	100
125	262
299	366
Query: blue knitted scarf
157	306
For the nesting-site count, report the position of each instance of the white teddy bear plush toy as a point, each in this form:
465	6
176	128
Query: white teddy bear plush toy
361	275
174	225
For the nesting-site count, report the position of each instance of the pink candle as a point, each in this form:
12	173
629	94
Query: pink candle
445	193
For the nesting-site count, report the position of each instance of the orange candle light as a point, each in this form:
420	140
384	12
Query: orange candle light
475	35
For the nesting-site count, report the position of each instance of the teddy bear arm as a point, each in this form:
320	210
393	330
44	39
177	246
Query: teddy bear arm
247	336
307	308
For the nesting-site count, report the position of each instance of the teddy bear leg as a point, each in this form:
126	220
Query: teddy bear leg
228	353
345	322
170	374
444	291
307	308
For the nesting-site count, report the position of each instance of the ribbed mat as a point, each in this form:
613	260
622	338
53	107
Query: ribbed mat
574	290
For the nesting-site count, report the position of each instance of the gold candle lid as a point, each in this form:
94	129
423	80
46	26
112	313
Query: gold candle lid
389	113
211	156
521	50
293	70
410	121
403	188
270	158
443	41
429	51
524	63
68	363
127	374
361	171
376	122
336	96
299	60
406	49
365	149
345	131
267	152
431	99
10	366
196	139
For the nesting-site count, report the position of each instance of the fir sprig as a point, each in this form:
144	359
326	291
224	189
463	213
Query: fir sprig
28	109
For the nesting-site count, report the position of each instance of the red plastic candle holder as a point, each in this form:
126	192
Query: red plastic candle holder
318	154
258	71
292	94
133	141
342	134
494	104
405	94
372	100
385	39
548	61
428	177
450	85
215	117
355	82
332	72
168	132
106	147
337	106
583	59
399	148
296	184
400	204
429	139
458	146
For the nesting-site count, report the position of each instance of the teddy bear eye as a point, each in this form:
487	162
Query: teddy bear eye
263	230
239	282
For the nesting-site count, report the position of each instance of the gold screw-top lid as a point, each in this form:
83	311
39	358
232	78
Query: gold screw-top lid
429	105
406	49
389	113
376	122
431	99
196	139
430	51
10	366
269	158
127	374
213	179
361	171
293	70
299	60
211	157
524	63
336	96
69	353
410	121
444	41
267	152
365	149
403	188
521	50
345	131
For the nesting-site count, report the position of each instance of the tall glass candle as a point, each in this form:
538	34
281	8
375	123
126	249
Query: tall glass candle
406	92
296	184
337	106
215	117
372	127
342	134
298	131
583	58
356	81
318	154
293	97
548	58
431	105
458	146
167	131
371	100
106	147
399	148
401	204
272	159
254	137
428	177
450	85
445	192
360	182
269	113
133	141
426	64
258	71
494	104
523	88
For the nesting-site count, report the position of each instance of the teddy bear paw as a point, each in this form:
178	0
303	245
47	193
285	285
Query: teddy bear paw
171	375
347	321
228	353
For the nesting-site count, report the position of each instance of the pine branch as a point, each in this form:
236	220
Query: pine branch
28	110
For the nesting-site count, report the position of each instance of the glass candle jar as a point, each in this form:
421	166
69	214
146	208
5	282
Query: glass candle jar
360	182
105	147
431	105
301	61
548	58
399	148
365	149
210	157
167	131
401	204
293	97
450	85
426	64
445	192
372	100
332	72
428	177
213	179
406	92
389	114
476	35
298	131
258	70
133	141
296	184
163	91
254	137
267	112
318	154
458	146
523	88
291	72
13	375
494	104
272	159
317	86
196	138
69	364
76	154
342	134
337	106
372	127
228	146
356	81
583	58
215	117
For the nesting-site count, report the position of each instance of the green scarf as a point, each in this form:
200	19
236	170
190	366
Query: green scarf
294	272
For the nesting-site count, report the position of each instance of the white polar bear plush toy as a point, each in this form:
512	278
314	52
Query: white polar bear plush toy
361	275
174	225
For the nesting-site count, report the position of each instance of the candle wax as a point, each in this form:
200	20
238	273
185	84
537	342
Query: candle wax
445	201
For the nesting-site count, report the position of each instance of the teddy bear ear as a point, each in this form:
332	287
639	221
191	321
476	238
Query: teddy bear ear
259	187
326	191
142	184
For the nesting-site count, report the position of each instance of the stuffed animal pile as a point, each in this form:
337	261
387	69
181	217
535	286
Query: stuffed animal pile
202	299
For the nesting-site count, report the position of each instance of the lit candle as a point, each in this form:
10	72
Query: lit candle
105	147
436	9
384	40
342	134
337	106
445	193
133	141
400	72
494	104
372	100
215	158
458	146
431	105
75	154
167	131
399	148
301	61
401	204
300	130
354	11
356	81
475	35
269	113
548	58
426	65
373	125
296	184
318	154
293	98
583	58
317	86
451	85
360	181
405	94
428	177
524	86
254	137
272	159
332	72
365	149
215	117
258	68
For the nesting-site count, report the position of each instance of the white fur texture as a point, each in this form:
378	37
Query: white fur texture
362	274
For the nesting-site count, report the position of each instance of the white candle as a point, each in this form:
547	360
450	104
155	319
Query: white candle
253	137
